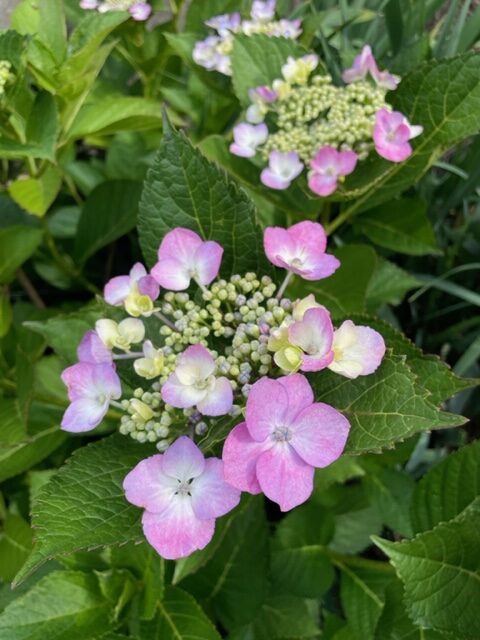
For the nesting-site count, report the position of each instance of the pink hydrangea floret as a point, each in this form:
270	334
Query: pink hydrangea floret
282	169
118	289
391	134
285	436
358	350
92	349
327	167
313	334
247	137
263	11
193	383
182	494
364	64
301	250
183	256
140	11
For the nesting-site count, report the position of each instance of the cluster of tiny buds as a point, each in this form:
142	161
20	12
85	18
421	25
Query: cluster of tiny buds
319	114
5	75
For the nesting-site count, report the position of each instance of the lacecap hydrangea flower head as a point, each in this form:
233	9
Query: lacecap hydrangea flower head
206	349
304	122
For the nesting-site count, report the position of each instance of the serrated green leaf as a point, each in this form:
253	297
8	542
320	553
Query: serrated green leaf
388	285
64	605
383	408
402	226
36	195
109	212
183	189
441	95
17	244
83	506
440	570
15	545
179	617
258	60
447	488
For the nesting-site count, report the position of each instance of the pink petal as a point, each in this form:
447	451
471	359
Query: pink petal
172	274
180	395
267	405
137	271
284	477
322	185
140	11
319	434
195	363
324	158
300	394
91	349
242	152
117	289
314	335
180	244
147	486
393	152
274	181
346	162
212	497
85	379
208	258
316	363
279	246
177	532
309	236
318	267
364	352
183	460
148	286
240	454
219	401
83	414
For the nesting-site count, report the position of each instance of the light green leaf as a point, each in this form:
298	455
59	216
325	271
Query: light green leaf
233	583
388	284
440	570
383	408
441	95
12	425
15	545
65	605
258	59
36	195
401	225
42	125
447	488
89	489
179	617
109	212
17	244
390	493
115	113
183	189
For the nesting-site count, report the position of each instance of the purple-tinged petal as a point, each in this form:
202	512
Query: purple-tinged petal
88	4
314	335
346	162
172	274
147	486
183	460
88	380
219	401
267	405
180	243
310	237
117	289
137	271
180	395
284	477
212	497
300	394
358	350
318	267
91	349
279	246
177	532
322	185
84	414
140	11
273	180
263	11
320	433
148	286
207	260
195	363
240	454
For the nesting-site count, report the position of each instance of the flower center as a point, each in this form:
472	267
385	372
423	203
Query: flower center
184	487
297	262
282	434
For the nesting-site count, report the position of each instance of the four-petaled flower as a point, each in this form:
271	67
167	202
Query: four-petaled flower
282	169
284	437
120	335
329	166
194	384
182	494
297	71
364	64
263	11
391	134
301	250
92	349
91	387
136	292
247	137
184	256
358	350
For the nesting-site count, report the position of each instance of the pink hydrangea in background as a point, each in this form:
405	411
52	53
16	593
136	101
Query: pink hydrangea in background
139	11
182	494
328	167
392	133
365	64
284	437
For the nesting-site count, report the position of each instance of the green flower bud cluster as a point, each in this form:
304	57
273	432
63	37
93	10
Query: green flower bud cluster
192	324
320	114
148	418
5	75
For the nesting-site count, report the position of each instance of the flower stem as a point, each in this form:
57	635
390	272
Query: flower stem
128	356
116	404
165	320
284	285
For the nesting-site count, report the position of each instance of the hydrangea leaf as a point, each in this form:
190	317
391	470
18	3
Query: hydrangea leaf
17	244
83	506
383	408
388	284
440	570
183	189
65	605
447	488
179	617
390	492
444	97
258	59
